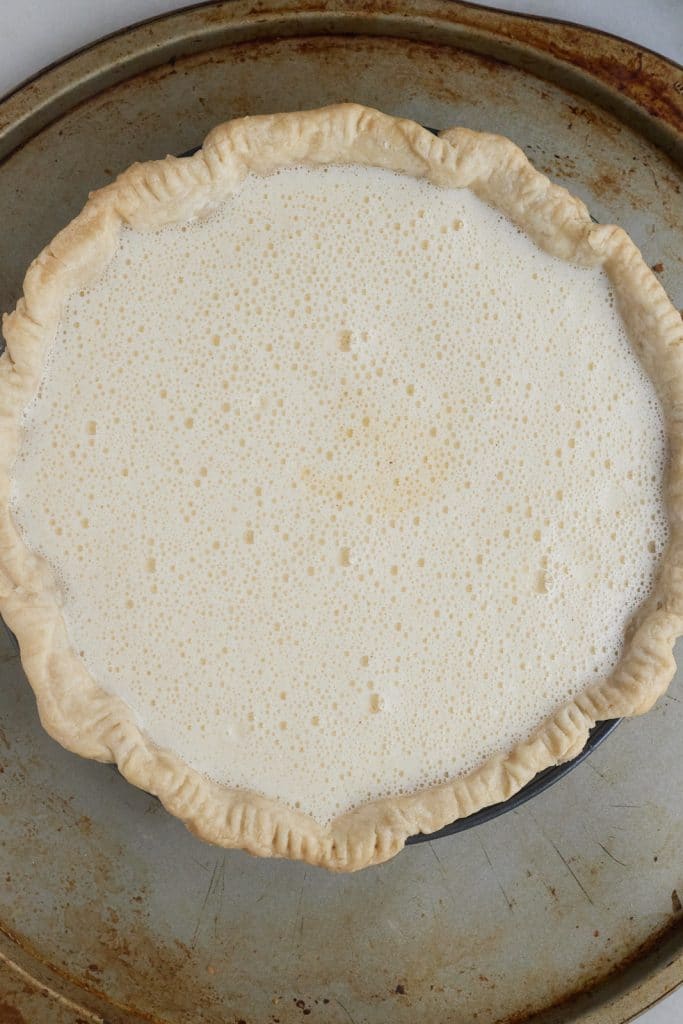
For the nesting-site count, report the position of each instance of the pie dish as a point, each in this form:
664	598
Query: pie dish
341	480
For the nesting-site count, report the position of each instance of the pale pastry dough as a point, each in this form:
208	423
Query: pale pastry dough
358	575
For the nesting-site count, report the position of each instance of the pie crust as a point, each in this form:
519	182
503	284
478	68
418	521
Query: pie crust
89	721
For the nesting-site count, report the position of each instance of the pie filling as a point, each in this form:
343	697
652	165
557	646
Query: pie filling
347	486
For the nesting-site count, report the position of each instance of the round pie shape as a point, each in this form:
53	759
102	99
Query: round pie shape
383	527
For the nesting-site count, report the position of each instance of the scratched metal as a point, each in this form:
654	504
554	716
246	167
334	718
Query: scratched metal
567	909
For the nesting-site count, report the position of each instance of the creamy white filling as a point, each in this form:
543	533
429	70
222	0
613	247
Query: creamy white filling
347	486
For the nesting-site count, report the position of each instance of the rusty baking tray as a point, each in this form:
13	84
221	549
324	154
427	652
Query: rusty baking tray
567	909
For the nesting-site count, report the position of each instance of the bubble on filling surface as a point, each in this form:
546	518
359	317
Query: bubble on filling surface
347	486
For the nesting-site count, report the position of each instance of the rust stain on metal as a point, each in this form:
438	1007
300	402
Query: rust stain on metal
606	184
642	76
330	48
120	942
124	948
176	965
10	1015
603	969
631	77
596	119
84	825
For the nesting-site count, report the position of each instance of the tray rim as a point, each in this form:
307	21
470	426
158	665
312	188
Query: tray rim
42	72
35	103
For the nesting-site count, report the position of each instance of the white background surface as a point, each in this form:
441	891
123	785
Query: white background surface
38	32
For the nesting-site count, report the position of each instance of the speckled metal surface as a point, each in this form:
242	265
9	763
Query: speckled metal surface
567	909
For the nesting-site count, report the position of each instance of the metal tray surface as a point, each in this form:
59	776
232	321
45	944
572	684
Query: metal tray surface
566	909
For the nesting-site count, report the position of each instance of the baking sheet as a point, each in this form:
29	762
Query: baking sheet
567	909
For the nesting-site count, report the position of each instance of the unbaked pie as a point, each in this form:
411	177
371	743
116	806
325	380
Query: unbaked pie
341	474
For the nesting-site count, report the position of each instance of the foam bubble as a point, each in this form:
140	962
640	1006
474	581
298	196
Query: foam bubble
341	505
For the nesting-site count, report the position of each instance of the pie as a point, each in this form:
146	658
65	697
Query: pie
341	480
